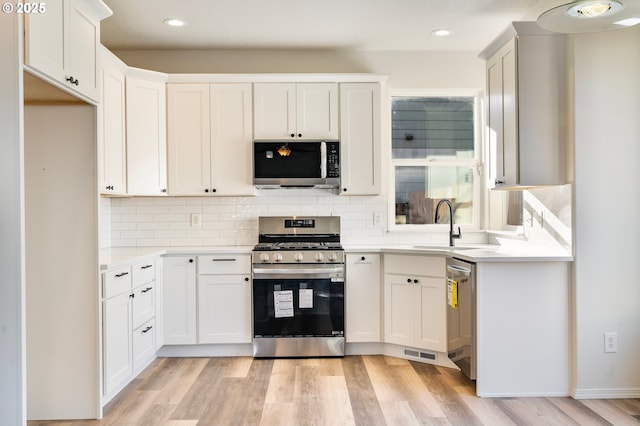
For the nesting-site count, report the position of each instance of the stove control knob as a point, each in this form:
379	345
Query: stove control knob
298	257
277	257
333	256
264	257
319	257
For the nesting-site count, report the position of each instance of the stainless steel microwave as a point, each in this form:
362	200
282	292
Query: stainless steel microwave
278	164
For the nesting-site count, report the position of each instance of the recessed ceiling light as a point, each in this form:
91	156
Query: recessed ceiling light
441	32
174	22
593	9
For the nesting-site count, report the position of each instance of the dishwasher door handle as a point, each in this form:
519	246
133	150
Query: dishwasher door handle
458	269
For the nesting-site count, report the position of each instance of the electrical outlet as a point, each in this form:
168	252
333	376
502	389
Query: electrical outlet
196	220
377	219
611	341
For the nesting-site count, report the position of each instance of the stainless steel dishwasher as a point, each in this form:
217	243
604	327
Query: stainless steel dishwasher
461	315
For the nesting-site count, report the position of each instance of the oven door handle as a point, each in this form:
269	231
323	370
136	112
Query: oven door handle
292	273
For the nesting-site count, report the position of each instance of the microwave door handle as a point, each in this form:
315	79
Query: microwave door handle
323	160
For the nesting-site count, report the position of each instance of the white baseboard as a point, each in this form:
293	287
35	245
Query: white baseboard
606	393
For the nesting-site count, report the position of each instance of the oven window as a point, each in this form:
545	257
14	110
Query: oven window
296	307
286	159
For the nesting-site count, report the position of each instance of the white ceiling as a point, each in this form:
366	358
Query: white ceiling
382	25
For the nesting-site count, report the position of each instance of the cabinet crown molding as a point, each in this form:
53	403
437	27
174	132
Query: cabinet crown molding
277	78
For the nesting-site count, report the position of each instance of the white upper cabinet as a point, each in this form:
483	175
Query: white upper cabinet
296	111
526	108
231	139
61	44
360	138
146	137
210	139
112	169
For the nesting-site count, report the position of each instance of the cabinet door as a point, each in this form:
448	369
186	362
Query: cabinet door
231	139
118	363
502	114
113	173
188	139
44	40
317	111
363	305
179	300
360	138
399	305
431	314
224	309
80	56
274	110
146	137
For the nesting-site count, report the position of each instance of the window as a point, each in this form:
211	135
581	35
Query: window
433	152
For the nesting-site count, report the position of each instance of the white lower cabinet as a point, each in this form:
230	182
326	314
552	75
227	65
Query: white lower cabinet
117	348
363	298
128	323
224	299
415	301
179	300
224	306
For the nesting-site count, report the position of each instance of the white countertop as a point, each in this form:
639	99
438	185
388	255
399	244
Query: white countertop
120	256
487	253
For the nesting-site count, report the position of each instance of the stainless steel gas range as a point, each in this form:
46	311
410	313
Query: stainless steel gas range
298	287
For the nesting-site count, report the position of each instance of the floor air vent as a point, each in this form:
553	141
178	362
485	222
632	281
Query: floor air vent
411	353
425	355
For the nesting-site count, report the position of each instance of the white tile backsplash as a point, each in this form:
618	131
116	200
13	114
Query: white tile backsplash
228	221
166	221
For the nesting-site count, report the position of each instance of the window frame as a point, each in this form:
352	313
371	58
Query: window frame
475	163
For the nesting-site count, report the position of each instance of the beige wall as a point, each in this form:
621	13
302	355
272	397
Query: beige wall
427	70
607	202
12	369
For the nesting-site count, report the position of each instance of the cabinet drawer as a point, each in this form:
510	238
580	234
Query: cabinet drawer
143	272
116	281
143	304
226	264
143	343
415	265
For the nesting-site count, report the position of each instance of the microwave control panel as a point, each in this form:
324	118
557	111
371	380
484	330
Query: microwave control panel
333	160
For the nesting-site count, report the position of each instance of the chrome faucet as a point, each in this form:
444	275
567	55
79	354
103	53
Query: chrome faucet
435	220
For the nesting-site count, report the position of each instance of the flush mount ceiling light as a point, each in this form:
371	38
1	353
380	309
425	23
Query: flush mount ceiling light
174	22
590	16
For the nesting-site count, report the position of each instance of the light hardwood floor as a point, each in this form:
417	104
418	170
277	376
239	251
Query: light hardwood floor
354	390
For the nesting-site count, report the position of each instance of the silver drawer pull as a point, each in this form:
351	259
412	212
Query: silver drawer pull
224	260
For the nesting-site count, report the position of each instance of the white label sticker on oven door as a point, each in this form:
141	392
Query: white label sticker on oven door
283	303
305	298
